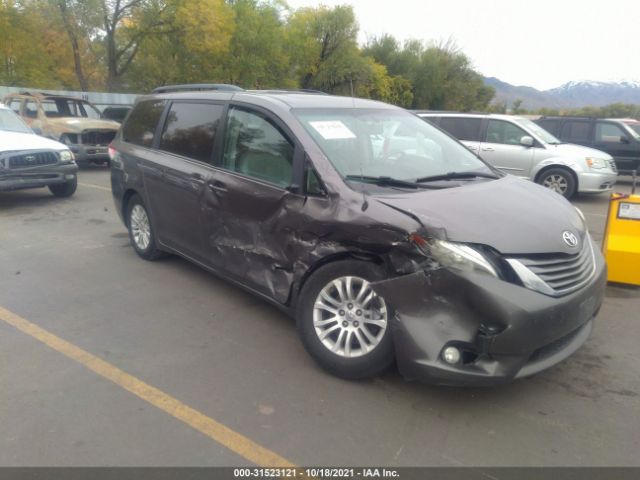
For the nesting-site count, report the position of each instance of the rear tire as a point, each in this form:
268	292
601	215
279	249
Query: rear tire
66	189
343	324
558	180
141	233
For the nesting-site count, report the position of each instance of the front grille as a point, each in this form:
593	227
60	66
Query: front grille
612	164
33	159
97	137
563	273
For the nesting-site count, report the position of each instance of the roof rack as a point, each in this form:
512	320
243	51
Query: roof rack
582	117
457	112
195	87
290	90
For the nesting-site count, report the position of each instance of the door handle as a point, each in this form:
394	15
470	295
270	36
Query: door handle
487	149
218	187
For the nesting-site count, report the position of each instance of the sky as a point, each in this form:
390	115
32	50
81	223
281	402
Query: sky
540	43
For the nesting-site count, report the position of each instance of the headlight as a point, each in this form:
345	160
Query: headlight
597	163
66	156
455	256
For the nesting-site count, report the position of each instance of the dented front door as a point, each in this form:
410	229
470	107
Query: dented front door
248	231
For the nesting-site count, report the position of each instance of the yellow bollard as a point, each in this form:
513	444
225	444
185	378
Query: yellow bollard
621	245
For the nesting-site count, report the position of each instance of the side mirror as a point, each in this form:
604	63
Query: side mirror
624	139
37	131
527	141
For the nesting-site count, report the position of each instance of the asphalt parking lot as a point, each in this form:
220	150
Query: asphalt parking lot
67	267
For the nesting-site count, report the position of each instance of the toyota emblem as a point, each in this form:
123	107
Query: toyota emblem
569	238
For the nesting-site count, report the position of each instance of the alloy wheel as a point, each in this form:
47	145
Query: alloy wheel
349	318
140	227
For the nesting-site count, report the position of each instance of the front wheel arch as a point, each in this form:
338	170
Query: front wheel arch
378	355
336	257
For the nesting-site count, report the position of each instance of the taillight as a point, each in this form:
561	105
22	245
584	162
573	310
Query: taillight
112	152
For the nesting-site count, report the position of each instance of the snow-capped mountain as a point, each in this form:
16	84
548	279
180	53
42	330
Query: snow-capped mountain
573	94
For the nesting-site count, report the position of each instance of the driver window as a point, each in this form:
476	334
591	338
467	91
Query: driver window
609	133
507	133
255	147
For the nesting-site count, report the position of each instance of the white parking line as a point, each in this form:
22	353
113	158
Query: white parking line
97	187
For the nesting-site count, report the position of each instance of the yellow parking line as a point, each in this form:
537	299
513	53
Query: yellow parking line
222	434
98	187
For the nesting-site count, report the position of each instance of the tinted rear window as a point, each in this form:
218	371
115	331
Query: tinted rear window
576	130
141	124
190	130
462	128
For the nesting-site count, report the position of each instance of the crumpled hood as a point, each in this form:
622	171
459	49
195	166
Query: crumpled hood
10	141
513	216
77	125
577	151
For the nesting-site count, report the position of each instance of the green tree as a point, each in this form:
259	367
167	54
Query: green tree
256	57
516	107
323	49
441	76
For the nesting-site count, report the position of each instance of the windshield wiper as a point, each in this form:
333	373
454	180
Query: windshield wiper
385	181
455	176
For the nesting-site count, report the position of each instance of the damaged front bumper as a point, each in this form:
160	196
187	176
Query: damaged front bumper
503	331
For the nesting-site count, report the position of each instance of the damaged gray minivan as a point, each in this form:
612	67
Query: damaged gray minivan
383	236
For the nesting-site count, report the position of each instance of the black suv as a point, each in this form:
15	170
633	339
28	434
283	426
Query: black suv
383	236
618	137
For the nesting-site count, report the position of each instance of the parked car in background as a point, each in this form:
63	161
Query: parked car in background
30	161
72	121
519	147
117	114
631	123
383	236
620	138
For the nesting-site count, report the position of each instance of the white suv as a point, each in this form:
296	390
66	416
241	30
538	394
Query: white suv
519	147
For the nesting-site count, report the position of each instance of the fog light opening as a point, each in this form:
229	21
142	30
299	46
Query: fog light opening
451	355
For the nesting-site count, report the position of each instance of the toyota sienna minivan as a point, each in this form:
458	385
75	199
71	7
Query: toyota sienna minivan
386	239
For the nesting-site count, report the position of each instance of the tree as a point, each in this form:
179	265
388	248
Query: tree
200	35
516	107
324	48
441	75
33	50
256	57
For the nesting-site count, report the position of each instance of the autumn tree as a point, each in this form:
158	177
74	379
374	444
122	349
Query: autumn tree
200	37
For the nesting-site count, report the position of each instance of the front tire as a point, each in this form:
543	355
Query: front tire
559	180
141	233
343	323
66	189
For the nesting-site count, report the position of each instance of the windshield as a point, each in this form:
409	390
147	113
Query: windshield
10	122
537	130
385	143
65	107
